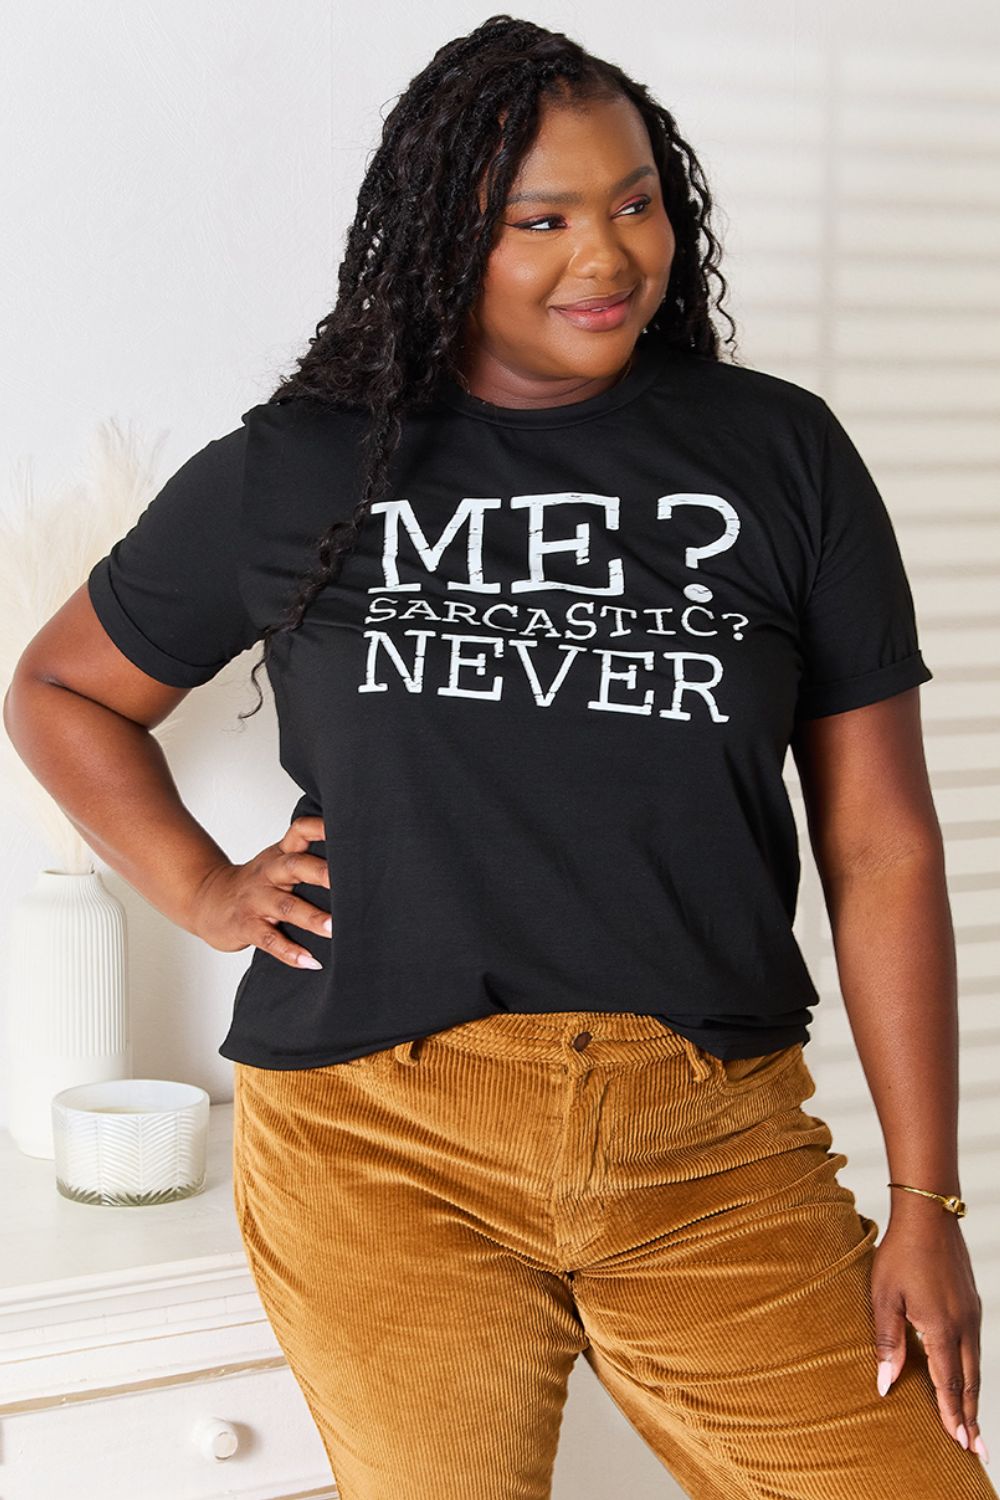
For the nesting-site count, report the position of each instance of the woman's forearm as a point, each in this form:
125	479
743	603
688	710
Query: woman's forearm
111	779
895	948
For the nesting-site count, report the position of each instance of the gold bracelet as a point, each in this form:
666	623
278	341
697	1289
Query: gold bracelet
953	1204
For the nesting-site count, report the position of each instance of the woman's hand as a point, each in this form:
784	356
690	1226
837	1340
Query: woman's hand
237	905
921	1273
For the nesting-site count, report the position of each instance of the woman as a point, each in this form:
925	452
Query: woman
519	1053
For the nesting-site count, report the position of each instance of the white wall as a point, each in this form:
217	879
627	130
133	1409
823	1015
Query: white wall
177	182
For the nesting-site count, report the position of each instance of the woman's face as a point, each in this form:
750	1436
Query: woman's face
585	219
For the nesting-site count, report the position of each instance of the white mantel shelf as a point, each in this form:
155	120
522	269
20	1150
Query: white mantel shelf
47	1239
122	1330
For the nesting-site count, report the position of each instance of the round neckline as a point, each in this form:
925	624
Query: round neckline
646	365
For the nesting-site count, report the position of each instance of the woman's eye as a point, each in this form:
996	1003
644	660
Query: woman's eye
639	203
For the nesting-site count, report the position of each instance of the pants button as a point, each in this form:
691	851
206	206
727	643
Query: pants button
580	1040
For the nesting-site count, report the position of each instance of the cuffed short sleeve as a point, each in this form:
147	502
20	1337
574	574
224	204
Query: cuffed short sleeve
168	591
858	629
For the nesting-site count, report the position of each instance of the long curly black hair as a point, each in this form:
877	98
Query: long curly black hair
417	251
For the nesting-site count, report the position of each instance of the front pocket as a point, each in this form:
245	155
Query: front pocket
740	1075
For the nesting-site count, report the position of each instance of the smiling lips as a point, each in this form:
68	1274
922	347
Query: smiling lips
599	312
588	304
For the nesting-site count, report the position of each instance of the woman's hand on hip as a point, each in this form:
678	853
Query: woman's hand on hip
240	905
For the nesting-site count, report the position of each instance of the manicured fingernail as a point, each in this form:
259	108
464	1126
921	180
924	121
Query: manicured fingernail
328	925
307	961
981	1448
884	1376
962	1435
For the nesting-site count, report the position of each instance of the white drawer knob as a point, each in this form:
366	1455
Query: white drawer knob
215	1438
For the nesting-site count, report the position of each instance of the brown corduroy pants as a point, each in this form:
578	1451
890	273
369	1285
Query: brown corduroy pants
437	1230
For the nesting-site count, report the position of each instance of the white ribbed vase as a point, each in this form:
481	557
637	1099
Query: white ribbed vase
65	1006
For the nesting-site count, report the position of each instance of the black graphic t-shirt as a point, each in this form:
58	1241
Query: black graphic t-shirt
545	708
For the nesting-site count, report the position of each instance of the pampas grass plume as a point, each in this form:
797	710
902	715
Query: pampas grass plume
47	549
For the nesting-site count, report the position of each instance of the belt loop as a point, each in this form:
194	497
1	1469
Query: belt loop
701	1066
406	1052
